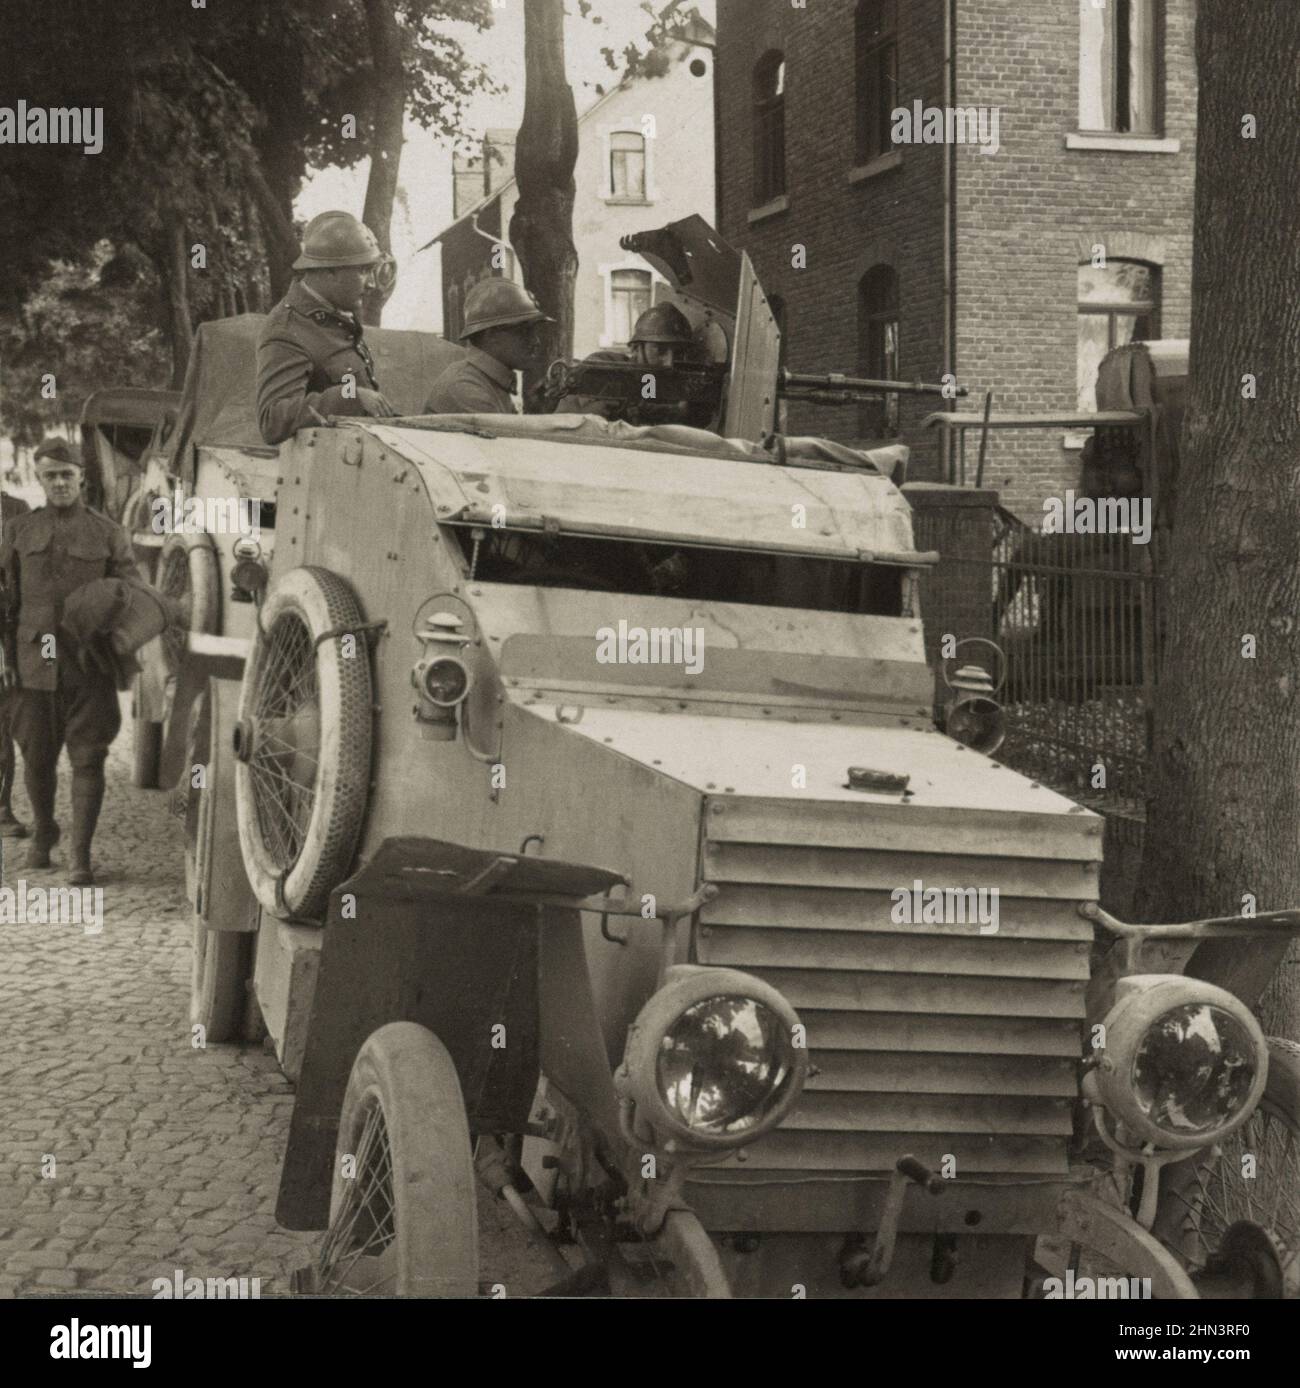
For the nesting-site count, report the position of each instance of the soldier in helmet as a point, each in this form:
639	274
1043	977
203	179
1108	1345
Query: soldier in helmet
58	700
501	320
660	337
312	360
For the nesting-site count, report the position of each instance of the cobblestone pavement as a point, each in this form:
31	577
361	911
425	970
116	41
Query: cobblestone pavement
125	1154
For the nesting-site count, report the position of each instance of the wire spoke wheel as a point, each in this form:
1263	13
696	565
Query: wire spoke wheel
403	1212
187	574
286	753
174	582
358	1257
1251	1180
304	737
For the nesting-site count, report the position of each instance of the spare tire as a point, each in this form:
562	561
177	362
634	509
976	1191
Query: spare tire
188	573
303	743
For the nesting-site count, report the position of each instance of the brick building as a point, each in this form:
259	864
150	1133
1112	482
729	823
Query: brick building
852	167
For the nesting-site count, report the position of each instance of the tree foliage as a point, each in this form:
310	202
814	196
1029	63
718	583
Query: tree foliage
85	325
213	117
650	55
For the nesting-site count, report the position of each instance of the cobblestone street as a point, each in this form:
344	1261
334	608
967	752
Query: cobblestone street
124	1153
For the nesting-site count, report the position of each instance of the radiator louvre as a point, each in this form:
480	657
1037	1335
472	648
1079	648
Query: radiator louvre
931	1038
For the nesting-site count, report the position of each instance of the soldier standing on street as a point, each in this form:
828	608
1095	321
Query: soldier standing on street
46	556
312	360
10	826
501	320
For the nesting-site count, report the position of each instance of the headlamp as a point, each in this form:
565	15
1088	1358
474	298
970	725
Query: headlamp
711	1060
1184	1062
972	714
443	680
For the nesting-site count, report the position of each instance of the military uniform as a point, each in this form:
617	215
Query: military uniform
46	556
10	508
476	384
306	348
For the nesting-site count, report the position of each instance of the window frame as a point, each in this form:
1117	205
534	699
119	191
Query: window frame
1118	123
607	274
875	68
878	418
608	192
1114	309
768	112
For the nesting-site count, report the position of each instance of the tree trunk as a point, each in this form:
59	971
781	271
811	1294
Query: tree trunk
1224	815
277	230
541	228
389	84
178	299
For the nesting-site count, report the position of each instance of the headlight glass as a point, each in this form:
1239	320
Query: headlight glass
446	681
724	1065
1194	1069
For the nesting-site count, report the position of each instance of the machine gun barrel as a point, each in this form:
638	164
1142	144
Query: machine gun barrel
801	385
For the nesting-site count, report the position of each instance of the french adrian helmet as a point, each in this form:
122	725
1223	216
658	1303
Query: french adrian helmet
337	239
662	323
498	303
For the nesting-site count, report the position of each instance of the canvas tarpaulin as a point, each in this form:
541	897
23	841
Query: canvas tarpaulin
219	402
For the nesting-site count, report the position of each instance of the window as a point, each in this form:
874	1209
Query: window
769	129
877	76
629	294
1118	66
627	164
878	349
1118	303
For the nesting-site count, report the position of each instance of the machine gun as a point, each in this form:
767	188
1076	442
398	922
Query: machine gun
698	388
624	382
716	287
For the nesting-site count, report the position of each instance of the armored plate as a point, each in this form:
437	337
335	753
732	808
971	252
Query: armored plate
755	360
545	482
751	758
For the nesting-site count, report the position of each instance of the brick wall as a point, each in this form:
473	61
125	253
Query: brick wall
1024	216
1028	214
893	217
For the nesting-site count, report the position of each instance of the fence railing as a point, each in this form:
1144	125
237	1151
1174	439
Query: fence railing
1078	618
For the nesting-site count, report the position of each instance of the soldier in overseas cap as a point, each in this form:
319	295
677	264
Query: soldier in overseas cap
501	320
45	557
312	360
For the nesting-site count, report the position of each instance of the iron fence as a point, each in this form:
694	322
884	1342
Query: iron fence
1079	620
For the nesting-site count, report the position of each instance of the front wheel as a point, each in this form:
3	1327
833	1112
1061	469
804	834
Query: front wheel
1232	1215
403	1212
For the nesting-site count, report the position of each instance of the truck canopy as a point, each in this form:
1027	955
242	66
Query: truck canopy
128	405
219	402
561	477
